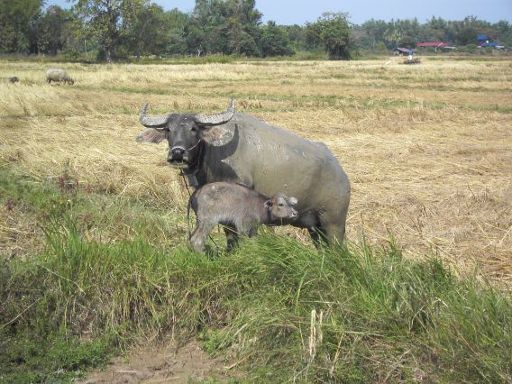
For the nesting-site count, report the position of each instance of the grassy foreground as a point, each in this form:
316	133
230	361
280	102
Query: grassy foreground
274	309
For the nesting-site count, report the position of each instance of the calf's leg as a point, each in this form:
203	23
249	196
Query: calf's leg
200	234
231	236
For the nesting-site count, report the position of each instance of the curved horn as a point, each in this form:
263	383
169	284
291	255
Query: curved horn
152	122
218	118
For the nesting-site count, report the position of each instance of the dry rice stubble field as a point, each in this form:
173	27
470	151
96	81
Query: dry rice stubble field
428	148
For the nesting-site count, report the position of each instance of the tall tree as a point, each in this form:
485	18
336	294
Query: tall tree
410	32
297	36
274	41
147	30
176	22
504	32
200	30
107	19
436	29
466	31
374	32
243	31
332	30
53	29
17	18
393	34
224	26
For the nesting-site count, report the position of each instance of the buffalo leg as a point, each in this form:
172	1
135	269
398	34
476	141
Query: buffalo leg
327	235
199	236
252	231
231	236
333	233
314	233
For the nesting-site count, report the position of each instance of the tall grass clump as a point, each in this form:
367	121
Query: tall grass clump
275	309
362	315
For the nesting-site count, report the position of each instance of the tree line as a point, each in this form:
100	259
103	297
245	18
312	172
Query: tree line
118	29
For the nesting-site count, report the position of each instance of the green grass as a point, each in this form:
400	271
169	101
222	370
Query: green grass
377	316
52	358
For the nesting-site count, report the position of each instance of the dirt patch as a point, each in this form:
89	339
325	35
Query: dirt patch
161	364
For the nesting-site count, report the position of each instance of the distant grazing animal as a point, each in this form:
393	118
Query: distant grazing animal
58	75
236	147
237	206
10	79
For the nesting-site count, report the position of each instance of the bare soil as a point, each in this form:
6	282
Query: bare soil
164	363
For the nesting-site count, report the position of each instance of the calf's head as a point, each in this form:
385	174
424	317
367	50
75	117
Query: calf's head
281	206
185	132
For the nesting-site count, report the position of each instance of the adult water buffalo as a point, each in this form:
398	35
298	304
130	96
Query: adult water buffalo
236	147
58	75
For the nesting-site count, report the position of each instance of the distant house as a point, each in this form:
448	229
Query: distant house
482	38
486	41
403	51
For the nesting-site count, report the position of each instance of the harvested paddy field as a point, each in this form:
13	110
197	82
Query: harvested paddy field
93	229
428	148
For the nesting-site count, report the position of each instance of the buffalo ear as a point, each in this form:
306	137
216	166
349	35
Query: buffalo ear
151	135
217	135
268	204
292	201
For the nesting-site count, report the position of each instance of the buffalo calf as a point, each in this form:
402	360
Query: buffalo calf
10	79
240	209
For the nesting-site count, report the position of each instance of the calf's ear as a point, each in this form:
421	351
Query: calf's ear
268	204
292	201
151	135
217	135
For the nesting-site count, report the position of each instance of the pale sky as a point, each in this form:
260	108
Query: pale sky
300	11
